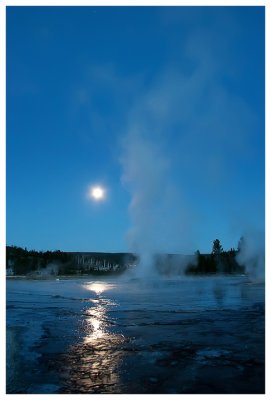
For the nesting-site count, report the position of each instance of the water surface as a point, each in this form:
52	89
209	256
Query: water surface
189	335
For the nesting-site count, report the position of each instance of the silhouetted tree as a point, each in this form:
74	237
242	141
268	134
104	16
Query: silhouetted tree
217	248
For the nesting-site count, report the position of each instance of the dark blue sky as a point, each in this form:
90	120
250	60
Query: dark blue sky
183	86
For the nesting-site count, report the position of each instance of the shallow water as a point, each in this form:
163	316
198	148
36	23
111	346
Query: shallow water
190	335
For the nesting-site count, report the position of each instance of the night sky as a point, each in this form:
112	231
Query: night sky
161	106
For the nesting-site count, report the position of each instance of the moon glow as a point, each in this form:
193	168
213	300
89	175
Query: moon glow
97	193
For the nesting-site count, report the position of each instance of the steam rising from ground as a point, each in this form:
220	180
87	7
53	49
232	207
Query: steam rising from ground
189	137
176	159
252	255
157	210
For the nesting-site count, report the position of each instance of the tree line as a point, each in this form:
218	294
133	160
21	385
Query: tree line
23	261
219	261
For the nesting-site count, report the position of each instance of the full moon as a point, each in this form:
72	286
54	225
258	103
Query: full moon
97	193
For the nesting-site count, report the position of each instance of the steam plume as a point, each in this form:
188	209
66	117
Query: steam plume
156	208
252	255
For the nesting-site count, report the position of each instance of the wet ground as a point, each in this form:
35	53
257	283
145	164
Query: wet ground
191	335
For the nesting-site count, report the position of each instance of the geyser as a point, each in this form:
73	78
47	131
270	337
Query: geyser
157	211
252	255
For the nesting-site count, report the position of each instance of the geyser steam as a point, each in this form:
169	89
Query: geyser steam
156	209
182	129
252	255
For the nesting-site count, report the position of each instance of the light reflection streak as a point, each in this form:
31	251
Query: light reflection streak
96	323
97	319
94	363
98	287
